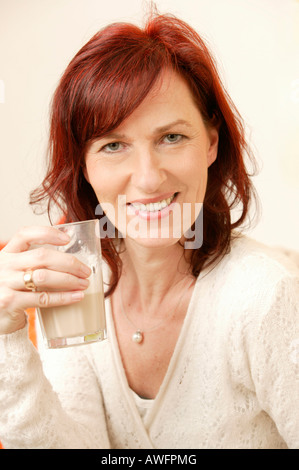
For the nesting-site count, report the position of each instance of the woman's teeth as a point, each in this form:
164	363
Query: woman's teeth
153	206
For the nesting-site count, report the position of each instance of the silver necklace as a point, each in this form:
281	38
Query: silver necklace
138	335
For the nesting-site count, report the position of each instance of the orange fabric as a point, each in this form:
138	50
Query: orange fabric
31	321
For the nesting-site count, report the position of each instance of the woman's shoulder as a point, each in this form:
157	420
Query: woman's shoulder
251	267
251	280
249	254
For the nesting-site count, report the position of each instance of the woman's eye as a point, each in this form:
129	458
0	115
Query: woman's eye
112	147
172	138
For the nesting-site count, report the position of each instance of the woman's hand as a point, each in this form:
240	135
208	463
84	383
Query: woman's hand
60	278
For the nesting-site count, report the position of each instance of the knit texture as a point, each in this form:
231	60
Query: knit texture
232	382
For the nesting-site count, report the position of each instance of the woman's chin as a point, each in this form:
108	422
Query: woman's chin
152	242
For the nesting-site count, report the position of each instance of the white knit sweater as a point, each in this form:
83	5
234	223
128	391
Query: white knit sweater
233	380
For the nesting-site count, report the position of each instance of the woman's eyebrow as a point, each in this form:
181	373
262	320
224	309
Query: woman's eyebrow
165	128
158	130
112	135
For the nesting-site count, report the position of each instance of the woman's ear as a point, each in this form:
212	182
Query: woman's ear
213	149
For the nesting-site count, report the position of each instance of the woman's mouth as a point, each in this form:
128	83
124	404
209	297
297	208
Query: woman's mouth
152	210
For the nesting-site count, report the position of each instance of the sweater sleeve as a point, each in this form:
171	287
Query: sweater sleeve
33	414
275	360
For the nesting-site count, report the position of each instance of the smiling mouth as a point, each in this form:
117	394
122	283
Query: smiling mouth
153	206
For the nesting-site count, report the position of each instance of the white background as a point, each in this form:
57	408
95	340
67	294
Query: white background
256	44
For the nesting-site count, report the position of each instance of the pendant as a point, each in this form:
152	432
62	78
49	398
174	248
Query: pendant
137	337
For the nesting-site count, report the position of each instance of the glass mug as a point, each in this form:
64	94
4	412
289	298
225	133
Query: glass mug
85	321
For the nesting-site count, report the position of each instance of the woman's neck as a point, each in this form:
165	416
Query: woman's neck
152	273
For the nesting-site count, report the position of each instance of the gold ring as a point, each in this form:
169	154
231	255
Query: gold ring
28	281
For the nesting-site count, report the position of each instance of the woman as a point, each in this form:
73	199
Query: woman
200	336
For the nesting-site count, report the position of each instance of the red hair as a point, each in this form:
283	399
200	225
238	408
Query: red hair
103	84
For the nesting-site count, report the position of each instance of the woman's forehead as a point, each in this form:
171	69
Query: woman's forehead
168	105
170	95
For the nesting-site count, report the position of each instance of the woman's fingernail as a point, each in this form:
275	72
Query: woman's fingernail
83	282
85	270
63	236
77	296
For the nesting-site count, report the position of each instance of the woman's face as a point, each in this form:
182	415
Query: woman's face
150	173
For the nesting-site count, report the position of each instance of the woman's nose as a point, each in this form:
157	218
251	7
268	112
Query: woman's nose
148	173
